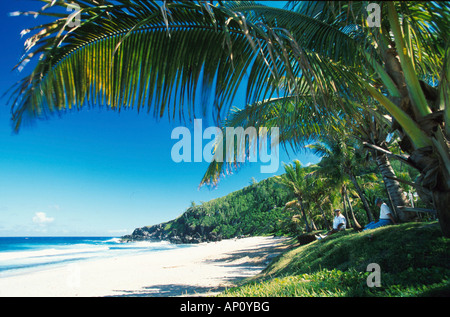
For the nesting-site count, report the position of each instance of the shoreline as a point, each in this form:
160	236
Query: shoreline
204	269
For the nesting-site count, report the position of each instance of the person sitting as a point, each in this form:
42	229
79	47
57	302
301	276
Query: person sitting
386	216
339	223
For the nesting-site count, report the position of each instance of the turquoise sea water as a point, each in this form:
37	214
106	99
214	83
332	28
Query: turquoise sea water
19	255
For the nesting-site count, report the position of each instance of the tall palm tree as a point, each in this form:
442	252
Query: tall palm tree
293	207
408	85
147	54
373	131
340	157
319	192
294	181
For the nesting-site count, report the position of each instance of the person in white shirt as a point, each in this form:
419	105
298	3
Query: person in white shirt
339	223
386	216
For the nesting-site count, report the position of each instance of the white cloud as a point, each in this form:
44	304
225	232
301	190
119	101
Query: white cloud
41	218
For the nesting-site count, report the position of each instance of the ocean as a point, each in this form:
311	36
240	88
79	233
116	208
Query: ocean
19	255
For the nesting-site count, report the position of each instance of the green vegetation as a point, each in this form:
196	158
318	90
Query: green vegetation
414	259
254	210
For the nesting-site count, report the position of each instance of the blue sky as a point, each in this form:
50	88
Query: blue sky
94	172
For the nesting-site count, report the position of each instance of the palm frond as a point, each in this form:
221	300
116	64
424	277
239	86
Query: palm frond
298	120
135	54
158	57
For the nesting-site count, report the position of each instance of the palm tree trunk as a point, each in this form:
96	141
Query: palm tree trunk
343	194
436	182
343	199
307	228
361	195
327	225
431	160
441	203
393	188
313	224
357	226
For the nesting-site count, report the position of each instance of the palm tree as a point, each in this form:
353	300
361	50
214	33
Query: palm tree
373	131
322	193
145	54
340	157
345	199
294	181
290	207
427	144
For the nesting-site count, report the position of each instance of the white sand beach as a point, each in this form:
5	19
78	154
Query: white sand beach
203	269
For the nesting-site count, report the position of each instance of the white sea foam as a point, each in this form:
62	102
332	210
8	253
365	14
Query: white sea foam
7	256
18	262
115	240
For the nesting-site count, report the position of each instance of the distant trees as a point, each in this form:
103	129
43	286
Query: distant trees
254	210
345	178
300	200
341	159
295	182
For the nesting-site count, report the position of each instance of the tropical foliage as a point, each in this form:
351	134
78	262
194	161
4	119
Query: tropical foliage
254	210
295	181
413	258
320	61
408	90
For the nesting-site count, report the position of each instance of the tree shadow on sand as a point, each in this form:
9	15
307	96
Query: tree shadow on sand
260	256
248	262
171	290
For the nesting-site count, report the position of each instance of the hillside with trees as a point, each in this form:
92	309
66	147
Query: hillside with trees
296	203
257	209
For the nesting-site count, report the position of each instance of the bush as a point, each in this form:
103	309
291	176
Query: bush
414	259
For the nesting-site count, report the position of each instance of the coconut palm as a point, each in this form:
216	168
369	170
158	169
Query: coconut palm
319	193
294	180
341	157
346	202
411	59
293	207
160	56
373	131
411	96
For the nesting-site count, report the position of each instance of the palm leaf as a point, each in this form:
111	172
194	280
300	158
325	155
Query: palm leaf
134	54
144	55
297	119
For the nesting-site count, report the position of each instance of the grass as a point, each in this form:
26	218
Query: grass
414	261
